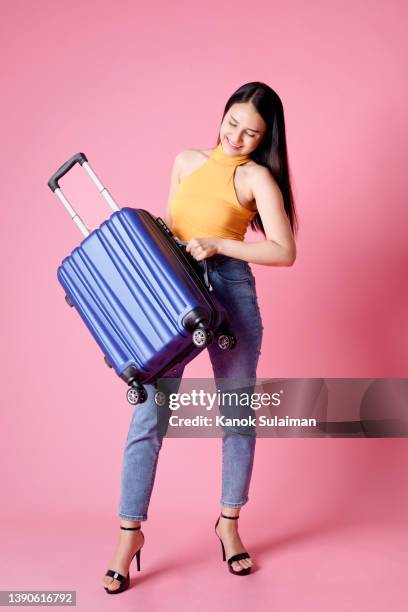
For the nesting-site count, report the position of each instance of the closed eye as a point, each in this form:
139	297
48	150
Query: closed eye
235	125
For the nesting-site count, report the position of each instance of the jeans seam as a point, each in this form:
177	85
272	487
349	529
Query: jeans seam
150	489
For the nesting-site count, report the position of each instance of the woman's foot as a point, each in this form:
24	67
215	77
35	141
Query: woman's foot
129	543
227	530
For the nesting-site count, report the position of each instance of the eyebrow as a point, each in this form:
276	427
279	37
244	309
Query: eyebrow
250	129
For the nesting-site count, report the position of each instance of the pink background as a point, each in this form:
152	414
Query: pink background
131	85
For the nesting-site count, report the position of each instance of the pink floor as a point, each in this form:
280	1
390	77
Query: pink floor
330	564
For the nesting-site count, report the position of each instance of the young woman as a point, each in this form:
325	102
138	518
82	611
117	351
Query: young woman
214	195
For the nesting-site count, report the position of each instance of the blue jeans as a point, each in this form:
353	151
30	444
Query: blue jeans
234	286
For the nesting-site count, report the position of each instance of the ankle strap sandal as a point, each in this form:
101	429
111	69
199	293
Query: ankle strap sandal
124	580
244	555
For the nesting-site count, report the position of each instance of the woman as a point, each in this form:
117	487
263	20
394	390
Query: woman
215	194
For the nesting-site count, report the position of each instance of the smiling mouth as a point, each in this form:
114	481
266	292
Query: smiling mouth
232	145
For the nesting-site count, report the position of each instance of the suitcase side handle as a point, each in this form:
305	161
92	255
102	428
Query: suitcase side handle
81	159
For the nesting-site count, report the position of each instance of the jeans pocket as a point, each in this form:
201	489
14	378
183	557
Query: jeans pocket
234	271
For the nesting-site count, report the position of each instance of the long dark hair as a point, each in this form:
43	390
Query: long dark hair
271	152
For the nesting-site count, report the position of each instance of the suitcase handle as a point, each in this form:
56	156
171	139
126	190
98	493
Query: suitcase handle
81	159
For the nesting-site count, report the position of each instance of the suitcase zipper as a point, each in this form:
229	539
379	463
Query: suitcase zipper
182	256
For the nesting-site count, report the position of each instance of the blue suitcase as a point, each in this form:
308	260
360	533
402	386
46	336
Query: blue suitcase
144	299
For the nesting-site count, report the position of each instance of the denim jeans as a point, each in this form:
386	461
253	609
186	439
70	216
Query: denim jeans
234	286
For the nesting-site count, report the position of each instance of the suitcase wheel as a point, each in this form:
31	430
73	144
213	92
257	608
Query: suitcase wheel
226	341
136	395
68	301
202	337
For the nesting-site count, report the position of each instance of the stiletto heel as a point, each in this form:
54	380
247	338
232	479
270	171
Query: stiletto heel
222	548
124	580
138	560
244	555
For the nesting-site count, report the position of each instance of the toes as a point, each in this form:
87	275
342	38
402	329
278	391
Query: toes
115	584
111	584
242	564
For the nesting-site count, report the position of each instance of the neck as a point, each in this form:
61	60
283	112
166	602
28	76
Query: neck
220	156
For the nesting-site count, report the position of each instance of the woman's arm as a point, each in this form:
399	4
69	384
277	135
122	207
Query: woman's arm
279	248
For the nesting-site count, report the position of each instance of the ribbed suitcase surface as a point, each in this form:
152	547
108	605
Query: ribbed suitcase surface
133	291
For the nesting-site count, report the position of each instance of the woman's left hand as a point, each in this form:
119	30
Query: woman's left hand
201	248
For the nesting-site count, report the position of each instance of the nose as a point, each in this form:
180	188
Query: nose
236	138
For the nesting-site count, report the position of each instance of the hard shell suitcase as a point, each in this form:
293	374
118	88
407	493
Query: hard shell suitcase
141	295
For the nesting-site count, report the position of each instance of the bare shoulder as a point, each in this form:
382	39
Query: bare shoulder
199	154
260	180
190	160
258	169
261	175
205	152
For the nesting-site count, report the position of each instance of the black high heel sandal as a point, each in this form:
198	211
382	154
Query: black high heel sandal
244	555
125	580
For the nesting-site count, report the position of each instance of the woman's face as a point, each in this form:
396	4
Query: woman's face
242	126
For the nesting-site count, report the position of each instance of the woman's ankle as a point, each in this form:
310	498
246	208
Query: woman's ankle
126	523
230	511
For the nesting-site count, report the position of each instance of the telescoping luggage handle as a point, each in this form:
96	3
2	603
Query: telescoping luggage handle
81	159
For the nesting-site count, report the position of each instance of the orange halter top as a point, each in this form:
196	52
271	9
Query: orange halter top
206	204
